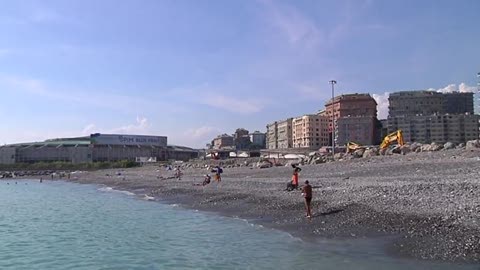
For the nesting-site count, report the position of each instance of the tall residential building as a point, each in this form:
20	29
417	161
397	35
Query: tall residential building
223	141
284	128
358	129
458	103
429	103
258	139
279	134
415	103
349	105
272	136
455	128
310	131
427	116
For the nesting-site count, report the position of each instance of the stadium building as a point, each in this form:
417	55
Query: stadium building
96	147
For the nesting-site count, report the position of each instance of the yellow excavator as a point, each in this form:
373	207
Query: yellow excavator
396	136
352	147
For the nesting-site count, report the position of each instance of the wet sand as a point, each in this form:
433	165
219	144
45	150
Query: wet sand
428	202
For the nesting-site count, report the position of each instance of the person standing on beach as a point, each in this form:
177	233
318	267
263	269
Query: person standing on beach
218	172
307	194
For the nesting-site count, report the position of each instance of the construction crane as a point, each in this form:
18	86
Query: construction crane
396	136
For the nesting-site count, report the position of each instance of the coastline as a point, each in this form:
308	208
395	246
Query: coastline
426	203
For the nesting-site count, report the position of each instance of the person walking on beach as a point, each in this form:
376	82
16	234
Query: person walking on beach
218	172
307	194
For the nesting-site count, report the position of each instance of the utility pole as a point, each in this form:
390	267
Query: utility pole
476	102
333	82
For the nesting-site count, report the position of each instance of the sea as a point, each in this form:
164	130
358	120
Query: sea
60	225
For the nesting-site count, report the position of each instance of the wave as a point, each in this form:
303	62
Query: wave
148	198
110	189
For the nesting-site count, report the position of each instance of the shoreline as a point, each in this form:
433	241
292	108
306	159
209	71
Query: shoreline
425	204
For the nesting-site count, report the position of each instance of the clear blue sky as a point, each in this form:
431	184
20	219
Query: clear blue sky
193	69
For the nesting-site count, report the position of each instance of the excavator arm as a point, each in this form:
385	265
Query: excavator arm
352	146
396	136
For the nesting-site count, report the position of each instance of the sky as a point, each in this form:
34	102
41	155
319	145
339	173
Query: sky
191	70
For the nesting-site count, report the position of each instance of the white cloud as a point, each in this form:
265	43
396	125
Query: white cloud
89	129
236	105
202	132
382	105
141	126
296	27
196	137
463	88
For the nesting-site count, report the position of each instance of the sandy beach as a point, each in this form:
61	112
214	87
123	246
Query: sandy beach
427	203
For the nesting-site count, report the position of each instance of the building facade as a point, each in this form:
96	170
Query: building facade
285	136
358	129
95	148
428	116
272	136
349	105
455	128
223	141
310	131
241	139
258	139
458	103
429	103
415	103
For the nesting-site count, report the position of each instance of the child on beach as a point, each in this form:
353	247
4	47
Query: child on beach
206	181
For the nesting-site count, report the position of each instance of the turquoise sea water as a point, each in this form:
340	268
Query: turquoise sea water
56	225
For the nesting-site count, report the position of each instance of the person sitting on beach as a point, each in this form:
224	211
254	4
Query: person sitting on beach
294	183
206	180
307	194
178	173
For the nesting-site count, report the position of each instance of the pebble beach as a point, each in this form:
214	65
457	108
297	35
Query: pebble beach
427	203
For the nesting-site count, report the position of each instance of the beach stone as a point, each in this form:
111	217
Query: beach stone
370	152
448	146
397	149
473	145
435	146
358	153
318	160
264	164
426	148
414	146
405	149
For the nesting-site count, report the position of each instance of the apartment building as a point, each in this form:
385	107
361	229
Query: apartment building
456	128
223	141
310	131
359	129
427	116
272	136
284	138
429	103
362	107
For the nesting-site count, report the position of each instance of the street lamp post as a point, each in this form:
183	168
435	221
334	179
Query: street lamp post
333	82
